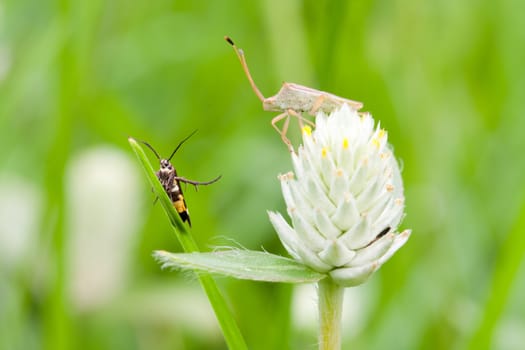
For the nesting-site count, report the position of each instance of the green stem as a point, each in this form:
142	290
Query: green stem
57	326
330	309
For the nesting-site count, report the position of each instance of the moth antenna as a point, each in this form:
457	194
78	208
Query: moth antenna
242	58
151	148
180	144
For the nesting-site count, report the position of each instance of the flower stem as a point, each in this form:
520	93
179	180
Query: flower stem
330	308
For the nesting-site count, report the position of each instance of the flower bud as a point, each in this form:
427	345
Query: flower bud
344	198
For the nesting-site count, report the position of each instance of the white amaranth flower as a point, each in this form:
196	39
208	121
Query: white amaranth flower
345	198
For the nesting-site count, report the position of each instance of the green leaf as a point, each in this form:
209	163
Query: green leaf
242	264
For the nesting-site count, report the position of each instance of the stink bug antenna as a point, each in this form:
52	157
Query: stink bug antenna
180	144
242	58
151	148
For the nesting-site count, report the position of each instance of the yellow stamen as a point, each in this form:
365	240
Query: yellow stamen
375	142
381	133
324	152
307	130
345	143
286	177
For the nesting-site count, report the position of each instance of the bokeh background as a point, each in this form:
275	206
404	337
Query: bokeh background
77	220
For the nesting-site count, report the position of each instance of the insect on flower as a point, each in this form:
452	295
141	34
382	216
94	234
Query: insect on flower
293	100
170	181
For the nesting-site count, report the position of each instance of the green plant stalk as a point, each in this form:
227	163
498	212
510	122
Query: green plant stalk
505	276
225	318
330	306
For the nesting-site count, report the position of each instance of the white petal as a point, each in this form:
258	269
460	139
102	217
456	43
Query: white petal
338	186
367	128
359	177
374	251
356	134
327	167
315	195
303	157
396	177
307	232
346	214
314	157
297	163
353	276
309	144
383	203
399	241
367	198
325	225
344	154
393	213
381	138
336	254
294	245
359	235
301	204
347	121
321	132
285	189
286	234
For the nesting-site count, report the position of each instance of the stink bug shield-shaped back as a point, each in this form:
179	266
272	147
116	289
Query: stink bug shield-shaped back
293	100
170	181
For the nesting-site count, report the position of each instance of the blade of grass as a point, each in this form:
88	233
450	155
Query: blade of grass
505	276
226	320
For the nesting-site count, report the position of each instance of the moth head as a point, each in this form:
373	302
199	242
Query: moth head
165	165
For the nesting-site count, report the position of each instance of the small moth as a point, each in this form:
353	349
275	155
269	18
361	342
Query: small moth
293	99
170	181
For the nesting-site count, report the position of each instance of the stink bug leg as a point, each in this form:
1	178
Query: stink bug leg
317	104
284	130
286	116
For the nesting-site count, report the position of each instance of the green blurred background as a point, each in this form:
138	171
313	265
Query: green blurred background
77	228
